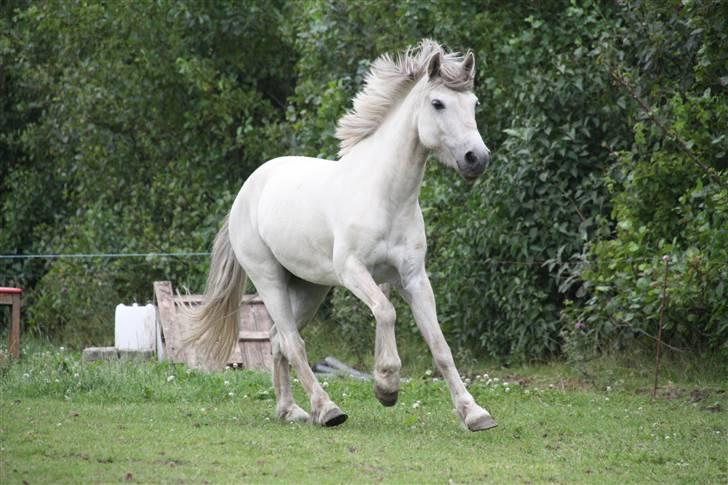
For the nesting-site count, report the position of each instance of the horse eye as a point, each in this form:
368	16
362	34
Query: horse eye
437	104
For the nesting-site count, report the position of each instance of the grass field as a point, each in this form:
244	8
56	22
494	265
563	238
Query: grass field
66	422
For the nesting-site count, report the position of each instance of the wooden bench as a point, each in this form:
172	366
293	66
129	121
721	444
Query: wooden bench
254	348
11	296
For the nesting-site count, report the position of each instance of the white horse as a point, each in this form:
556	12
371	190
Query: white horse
302	225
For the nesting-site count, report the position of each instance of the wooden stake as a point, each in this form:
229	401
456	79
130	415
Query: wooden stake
666	259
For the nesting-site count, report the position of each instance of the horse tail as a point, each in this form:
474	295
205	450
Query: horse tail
214	325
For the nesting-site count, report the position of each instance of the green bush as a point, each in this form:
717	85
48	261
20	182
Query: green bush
130	126
669	193
140	120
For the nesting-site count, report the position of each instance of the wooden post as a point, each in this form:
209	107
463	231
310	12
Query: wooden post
11	296
15	327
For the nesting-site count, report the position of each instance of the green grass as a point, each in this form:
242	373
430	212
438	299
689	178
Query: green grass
65	422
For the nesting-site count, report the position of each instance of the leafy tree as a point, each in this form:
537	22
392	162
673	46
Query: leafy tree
129	126
668	188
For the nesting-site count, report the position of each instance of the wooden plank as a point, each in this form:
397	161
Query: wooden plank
170	325
254	335
6	299
189	299
198	299
255	322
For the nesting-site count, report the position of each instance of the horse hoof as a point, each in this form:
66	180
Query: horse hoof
330	416
335	420
387	399
294	415
482	423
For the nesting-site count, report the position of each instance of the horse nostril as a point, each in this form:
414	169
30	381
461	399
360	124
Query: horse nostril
470	157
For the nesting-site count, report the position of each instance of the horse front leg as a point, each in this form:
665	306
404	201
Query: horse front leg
387	364
417	291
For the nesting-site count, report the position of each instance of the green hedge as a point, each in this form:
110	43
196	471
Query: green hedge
130	126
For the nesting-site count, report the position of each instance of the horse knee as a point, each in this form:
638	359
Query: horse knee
292	347
384	313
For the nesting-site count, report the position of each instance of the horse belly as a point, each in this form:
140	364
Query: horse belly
293	223
305	256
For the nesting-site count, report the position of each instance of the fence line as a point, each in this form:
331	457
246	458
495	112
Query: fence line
103	255
185	254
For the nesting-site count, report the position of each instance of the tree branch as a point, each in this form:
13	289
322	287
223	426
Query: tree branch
622	81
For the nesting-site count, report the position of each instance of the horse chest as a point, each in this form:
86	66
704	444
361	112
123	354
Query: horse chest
387	251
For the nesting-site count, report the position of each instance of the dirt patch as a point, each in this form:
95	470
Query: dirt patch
671	392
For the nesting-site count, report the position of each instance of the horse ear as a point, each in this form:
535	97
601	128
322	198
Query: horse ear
469	64
434	64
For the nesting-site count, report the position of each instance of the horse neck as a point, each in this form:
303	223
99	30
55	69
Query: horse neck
393	158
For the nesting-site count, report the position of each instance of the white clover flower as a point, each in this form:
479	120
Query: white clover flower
428	372
170	378
227	383
231	394
508	389
26	376
325	384
415	404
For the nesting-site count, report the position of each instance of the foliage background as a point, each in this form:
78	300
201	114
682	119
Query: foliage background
130	126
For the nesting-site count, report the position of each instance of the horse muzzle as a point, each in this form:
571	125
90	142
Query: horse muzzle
473	164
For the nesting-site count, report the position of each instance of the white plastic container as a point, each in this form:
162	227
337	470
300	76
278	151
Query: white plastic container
135	327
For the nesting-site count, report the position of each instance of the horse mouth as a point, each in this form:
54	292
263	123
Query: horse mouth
470	173
470	176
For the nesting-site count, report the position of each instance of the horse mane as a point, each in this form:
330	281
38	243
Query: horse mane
390	79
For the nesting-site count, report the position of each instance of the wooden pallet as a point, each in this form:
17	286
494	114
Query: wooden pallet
253	350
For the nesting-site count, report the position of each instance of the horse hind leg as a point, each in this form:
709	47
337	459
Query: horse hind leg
305	299
286	408
272	282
